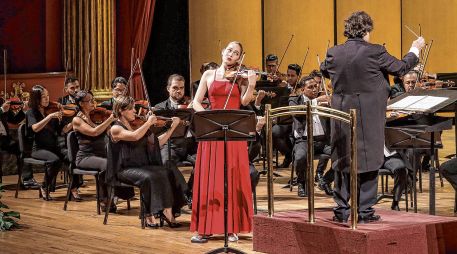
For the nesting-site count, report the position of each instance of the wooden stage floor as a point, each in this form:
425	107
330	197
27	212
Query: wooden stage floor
46	228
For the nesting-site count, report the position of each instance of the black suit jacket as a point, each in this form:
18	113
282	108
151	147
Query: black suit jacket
359	72
166	104
299	121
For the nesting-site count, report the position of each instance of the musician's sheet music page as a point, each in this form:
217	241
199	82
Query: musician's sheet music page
405	102
417	103
427	103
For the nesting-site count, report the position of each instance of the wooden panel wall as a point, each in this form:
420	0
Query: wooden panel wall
438	20
310	21
217	20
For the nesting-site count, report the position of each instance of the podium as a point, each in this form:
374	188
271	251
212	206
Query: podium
224	125
423	125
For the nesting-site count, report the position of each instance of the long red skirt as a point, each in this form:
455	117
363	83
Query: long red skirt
208	190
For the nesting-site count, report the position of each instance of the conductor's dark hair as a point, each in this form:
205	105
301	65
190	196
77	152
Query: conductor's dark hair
358	25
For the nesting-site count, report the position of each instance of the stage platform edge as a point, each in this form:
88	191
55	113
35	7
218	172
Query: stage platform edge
397	232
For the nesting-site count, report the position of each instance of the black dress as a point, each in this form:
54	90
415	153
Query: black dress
139	163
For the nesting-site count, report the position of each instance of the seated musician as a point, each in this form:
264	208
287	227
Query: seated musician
282	132
408	83
254	148
9	145
321	132
91	139
139	163
273	74
449	171
317	75
71	88
119	86
46	127
394	162
180	149
293	70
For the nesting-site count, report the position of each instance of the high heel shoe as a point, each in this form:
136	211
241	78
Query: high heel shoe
46	196
170	223
75	195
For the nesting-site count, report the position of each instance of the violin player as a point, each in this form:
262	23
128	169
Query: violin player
181	149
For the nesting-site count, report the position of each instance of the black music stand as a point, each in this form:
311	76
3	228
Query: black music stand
407	133
224	125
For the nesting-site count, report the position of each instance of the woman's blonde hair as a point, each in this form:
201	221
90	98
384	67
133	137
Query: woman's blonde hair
122	103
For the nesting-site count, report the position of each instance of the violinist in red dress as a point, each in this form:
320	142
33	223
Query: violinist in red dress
208	190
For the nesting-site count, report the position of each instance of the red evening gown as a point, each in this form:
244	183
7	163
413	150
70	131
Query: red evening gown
208	190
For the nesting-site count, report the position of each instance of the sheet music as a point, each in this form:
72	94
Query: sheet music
427	103
417	103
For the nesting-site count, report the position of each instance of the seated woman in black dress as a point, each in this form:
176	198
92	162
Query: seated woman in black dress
45	129
91	140
139	163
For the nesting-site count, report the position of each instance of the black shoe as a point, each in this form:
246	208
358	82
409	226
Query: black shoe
369	218
152	225
301	190
112	209
286	162
339	219
170	224
325	187
189	200
318	177
395	206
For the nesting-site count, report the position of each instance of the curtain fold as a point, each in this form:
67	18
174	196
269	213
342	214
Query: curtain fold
140	17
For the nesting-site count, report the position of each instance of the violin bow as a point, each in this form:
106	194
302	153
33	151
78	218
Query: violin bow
284	54
319	65
65	79
234	80
301	69
143	82
190	74
4	70
87	71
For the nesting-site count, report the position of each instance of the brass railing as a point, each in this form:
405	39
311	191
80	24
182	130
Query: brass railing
310	110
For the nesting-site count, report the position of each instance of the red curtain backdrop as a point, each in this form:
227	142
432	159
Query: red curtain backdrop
133	29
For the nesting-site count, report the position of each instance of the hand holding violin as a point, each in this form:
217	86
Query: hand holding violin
252	78
57	115
152	119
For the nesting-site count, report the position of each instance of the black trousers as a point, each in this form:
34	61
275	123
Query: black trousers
300	158
281	135
368	187
397	166
181	150
449	171
92	162
158	186
55	161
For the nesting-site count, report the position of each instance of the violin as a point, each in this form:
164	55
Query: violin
99	115
69	110
240	72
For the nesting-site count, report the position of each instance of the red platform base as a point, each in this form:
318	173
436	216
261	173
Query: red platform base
397	232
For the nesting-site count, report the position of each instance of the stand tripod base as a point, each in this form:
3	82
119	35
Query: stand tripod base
226	250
